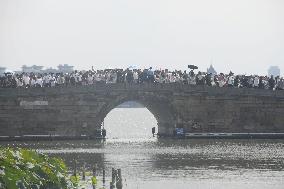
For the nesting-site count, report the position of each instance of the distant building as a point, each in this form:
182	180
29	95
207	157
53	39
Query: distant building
50	70
211	70
2	70
274	70
65	68
39	69
34	69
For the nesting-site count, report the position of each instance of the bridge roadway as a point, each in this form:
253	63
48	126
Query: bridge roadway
76	111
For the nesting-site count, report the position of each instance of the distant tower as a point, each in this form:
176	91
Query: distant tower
211	70
274	70
2	70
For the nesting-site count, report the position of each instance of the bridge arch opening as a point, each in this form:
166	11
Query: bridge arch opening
158	106
130	120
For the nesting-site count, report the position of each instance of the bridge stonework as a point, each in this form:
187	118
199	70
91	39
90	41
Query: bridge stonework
80	110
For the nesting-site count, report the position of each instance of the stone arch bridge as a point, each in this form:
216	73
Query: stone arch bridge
80	110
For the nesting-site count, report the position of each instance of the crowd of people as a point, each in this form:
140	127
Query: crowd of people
137	76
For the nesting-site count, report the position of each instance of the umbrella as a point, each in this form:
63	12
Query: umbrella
193	67
9	72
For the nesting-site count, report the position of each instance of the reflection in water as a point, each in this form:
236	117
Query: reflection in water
179	163
148	163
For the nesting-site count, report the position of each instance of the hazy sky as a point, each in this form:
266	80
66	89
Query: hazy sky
245	36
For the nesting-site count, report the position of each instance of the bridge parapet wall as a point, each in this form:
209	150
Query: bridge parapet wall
79	110
179	88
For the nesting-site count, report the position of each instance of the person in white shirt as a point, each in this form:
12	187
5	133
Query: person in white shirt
52	81
60	79
90	79
231	81
19	82
256	82
26	80
39	82
135	77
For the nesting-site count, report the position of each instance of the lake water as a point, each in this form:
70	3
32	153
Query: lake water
149	163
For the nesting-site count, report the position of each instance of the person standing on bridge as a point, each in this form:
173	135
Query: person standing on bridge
150	75
271	83
135	76
256	82
129	76
281	84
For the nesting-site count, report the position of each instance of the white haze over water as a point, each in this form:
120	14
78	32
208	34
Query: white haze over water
245	36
